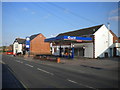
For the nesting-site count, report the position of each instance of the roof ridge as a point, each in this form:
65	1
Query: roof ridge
19	38
80	30
88	27
33	36
36	34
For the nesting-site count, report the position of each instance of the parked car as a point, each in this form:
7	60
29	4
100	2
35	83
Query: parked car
9	52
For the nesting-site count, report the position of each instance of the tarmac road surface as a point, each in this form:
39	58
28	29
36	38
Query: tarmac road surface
35	75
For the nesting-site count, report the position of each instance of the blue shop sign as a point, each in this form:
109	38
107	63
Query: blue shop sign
27	42
68	38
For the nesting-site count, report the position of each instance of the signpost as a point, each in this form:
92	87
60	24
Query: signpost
28	45
27	42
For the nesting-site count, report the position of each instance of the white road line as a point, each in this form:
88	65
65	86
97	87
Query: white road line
17	61
2	62
21	62
45	71
82	84
71	81
29	65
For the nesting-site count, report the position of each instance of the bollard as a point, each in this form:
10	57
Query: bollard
58	60
47	58
40	57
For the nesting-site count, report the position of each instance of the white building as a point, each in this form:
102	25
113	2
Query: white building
102	44
18	45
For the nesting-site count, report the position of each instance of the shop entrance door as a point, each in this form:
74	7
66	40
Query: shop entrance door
114	52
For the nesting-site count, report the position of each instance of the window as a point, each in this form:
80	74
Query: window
16	45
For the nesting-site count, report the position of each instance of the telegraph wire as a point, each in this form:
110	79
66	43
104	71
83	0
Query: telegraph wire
60	18
77	15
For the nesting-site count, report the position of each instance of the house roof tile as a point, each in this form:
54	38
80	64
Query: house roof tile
20	40
82	32
33	36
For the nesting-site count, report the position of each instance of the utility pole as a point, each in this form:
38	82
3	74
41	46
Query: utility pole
108	37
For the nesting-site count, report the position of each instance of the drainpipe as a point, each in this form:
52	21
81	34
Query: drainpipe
60	50
93	46
72	45
108	38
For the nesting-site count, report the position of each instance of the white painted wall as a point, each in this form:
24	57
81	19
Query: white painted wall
102	42
17	47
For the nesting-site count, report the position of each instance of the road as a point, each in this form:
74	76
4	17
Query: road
35	75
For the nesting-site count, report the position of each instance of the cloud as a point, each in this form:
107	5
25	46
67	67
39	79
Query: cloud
47	16
25	9
115	11
66	11
53	35
33	12
114	18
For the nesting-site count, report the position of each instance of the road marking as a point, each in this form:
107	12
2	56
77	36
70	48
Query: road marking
82	84
71	81
19	80
23	85
2	62
17	61
21	62
29	65
45	71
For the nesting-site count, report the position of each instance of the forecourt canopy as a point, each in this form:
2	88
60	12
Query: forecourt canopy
68	38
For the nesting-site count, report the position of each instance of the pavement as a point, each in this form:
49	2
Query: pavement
99	67
35	73
107	63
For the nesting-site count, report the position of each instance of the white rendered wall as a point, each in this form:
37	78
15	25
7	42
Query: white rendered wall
18	49
102	42
14	47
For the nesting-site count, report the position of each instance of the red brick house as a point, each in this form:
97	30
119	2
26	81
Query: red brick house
115	38
37	44
116	45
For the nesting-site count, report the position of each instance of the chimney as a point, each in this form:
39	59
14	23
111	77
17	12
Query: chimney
108	26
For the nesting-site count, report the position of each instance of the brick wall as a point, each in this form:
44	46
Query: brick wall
114	37
38	46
